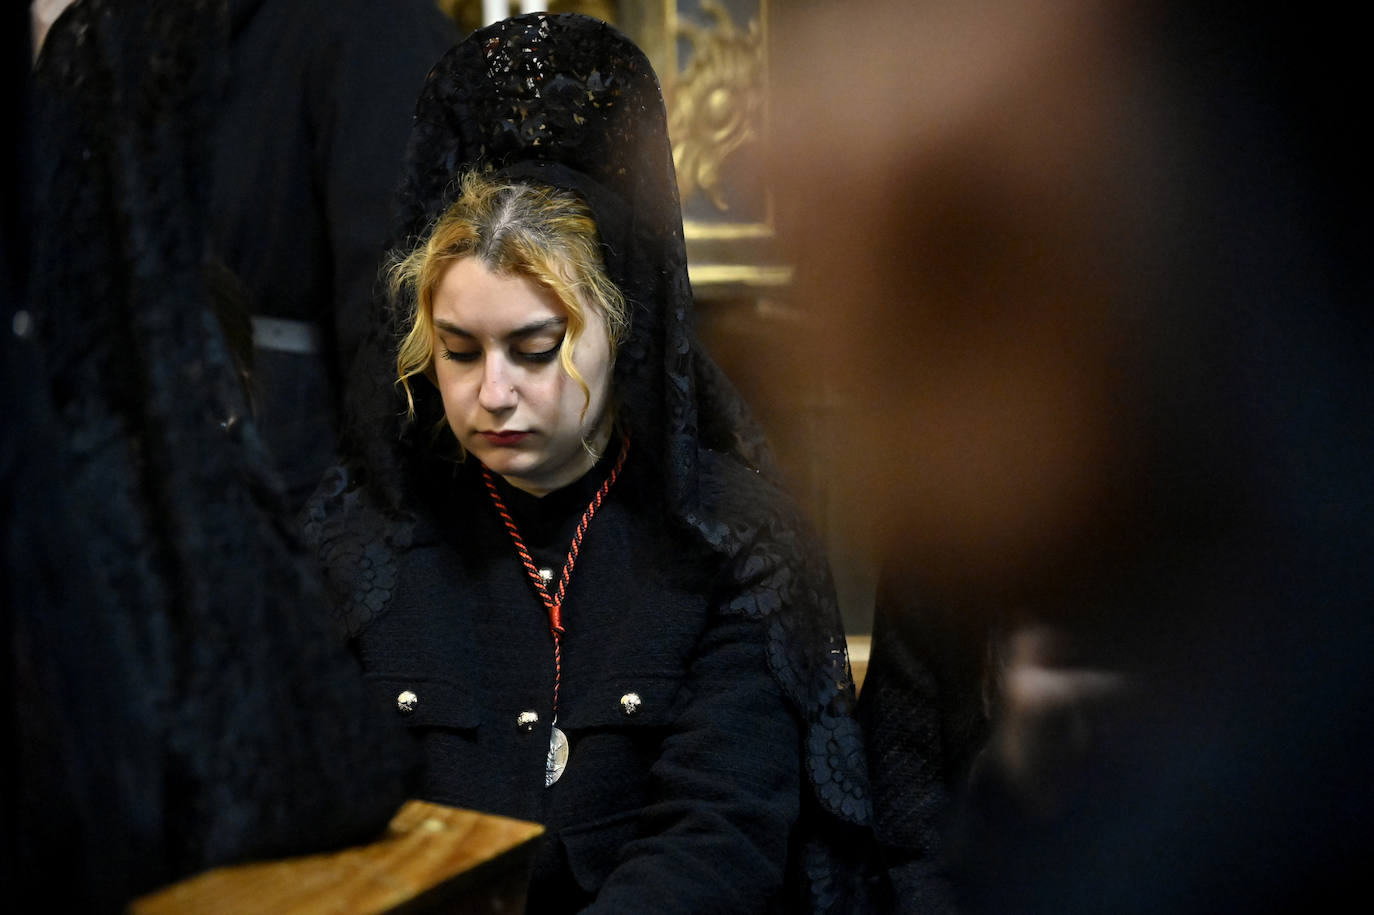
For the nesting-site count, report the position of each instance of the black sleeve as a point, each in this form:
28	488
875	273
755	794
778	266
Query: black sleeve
726	789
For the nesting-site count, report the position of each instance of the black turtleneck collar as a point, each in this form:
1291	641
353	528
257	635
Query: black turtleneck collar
548	521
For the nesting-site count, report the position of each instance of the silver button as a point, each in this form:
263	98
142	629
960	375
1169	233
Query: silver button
406	702
546	576
630	703
526	721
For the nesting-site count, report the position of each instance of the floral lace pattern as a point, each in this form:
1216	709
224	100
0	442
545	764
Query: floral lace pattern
242	713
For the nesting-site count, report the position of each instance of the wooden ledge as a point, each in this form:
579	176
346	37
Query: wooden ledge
859	646
432	857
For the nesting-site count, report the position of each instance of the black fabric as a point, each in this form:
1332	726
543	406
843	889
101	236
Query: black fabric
925	715
569	98
14	218
693	796
179	703
309	147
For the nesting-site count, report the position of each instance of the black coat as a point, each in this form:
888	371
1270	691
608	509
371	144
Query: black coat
681	802
309	147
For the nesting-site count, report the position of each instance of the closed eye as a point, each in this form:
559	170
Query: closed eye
541	356
469	356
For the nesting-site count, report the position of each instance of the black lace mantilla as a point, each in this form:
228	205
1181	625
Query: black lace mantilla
569	100
185	704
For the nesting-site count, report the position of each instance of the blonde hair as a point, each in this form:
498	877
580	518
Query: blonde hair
514	227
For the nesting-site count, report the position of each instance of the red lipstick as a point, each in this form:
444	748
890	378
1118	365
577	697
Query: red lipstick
504	438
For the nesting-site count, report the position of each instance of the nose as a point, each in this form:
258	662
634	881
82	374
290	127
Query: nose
497	391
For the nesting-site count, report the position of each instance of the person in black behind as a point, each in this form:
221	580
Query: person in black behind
308	150
607	617
176	700
1100	275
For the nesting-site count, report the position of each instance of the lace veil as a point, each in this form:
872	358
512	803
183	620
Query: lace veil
180	703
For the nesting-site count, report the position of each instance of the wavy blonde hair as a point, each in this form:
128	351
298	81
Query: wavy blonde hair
520	228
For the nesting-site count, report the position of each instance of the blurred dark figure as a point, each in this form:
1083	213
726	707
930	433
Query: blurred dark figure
307	154
13	272
1094	277
174	696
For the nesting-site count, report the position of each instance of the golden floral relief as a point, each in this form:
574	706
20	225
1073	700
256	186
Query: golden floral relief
716	102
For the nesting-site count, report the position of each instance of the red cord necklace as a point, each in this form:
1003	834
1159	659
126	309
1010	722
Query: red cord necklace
553	601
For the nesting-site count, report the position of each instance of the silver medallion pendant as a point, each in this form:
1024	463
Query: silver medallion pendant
558	757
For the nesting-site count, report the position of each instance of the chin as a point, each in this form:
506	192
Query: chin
514	466
503	464
491	457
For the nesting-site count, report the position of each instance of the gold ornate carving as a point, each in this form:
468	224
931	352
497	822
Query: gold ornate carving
716	101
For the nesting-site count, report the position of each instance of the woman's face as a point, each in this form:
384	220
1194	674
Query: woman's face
506	396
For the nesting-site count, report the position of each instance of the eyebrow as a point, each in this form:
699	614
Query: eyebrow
525	330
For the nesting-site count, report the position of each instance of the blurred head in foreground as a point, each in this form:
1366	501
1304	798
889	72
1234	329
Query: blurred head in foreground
1089	282
1073	270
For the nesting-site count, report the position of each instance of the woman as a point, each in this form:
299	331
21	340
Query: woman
559	550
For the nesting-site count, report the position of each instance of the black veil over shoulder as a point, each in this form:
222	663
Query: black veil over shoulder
569	101
178	701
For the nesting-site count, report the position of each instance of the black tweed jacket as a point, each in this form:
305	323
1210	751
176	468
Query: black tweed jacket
683	777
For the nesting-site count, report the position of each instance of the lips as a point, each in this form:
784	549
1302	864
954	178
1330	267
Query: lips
504	438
